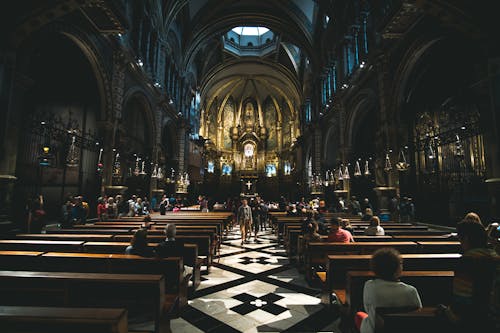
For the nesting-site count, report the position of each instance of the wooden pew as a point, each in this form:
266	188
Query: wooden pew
339	265
23	319
434	287
317	253
413	321
90	231
203	243
40	245
189	255
440	247
138	293
67	237
172	268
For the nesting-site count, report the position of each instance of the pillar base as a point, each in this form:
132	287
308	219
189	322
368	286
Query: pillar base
494	192
6	193
114	190
384	195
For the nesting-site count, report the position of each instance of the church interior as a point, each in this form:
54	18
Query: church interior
249	166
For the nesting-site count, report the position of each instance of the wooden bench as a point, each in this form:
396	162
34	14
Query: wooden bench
66	237
24	319
434	287
138	293
175	283
189	255
339	265
40	245
439	247
411	321
90	231
317	253
205	248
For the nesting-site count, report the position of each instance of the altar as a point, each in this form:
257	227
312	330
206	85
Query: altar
249	186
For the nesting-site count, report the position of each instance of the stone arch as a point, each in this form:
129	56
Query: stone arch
361	105
88	45
137	95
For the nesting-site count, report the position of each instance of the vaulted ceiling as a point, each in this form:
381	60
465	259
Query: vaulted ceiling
209	21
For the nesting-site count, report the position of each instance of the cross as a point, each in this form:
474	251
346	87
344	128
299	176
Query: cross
248	184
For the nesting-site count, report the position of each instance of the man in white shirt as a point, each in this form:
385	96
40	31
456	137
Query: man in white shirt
386	291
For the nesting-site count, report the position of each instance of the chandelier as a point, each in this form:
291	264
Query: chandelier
346	173
367	169
183	183
402	165
316	184
357	170
329	178
171	179
157	172
387	165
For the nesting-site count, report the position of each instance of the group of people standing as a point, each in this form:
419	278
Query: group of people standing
252	217
116	207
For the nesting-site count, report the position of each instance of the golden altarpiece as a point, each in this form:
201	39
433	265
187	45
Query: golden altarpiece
250	142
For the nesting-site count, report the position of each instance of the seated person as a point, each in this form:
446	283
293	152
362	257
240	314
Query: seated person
319	218
472	217
172	247
385	291
337	234
368	215
311	234
374	229
346	225
292	211
476	283
139	244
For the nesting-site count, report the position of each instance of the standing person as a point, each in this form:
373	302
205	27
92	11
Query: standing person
112	208
245	220
101	209
163	205
411	210
367	204
394	208
355	206
37	215
255	204
66	213
264	210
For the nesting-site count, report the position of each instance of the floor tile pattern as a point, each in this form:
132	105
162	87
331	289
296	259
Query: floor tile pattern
252	287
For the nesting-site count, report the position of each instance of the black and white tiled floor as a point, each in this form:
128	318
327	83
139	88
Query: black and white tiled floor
253	288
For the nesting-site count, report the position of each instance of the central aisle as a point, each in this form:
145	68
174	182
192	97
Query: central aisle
254	288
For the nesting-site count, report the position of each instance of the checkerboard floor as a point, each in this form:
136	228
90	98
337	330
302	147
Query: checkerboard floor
254	288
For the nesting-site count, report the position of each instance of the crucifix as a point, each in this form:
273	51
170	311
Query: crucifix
248	184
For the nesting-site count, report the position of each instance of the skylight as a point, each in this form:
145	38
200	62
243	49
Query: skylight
250	31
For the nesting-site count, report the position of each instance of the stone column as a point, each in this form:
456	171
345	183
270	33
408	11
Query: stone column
110	126
490	121
12	88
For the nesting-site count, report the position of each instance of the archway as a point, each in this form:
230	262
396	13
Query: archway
441	122
361	139
64	94
135	143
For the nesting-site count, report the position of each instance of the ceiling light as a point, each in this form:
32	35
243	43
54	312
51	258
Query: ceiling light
140	63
